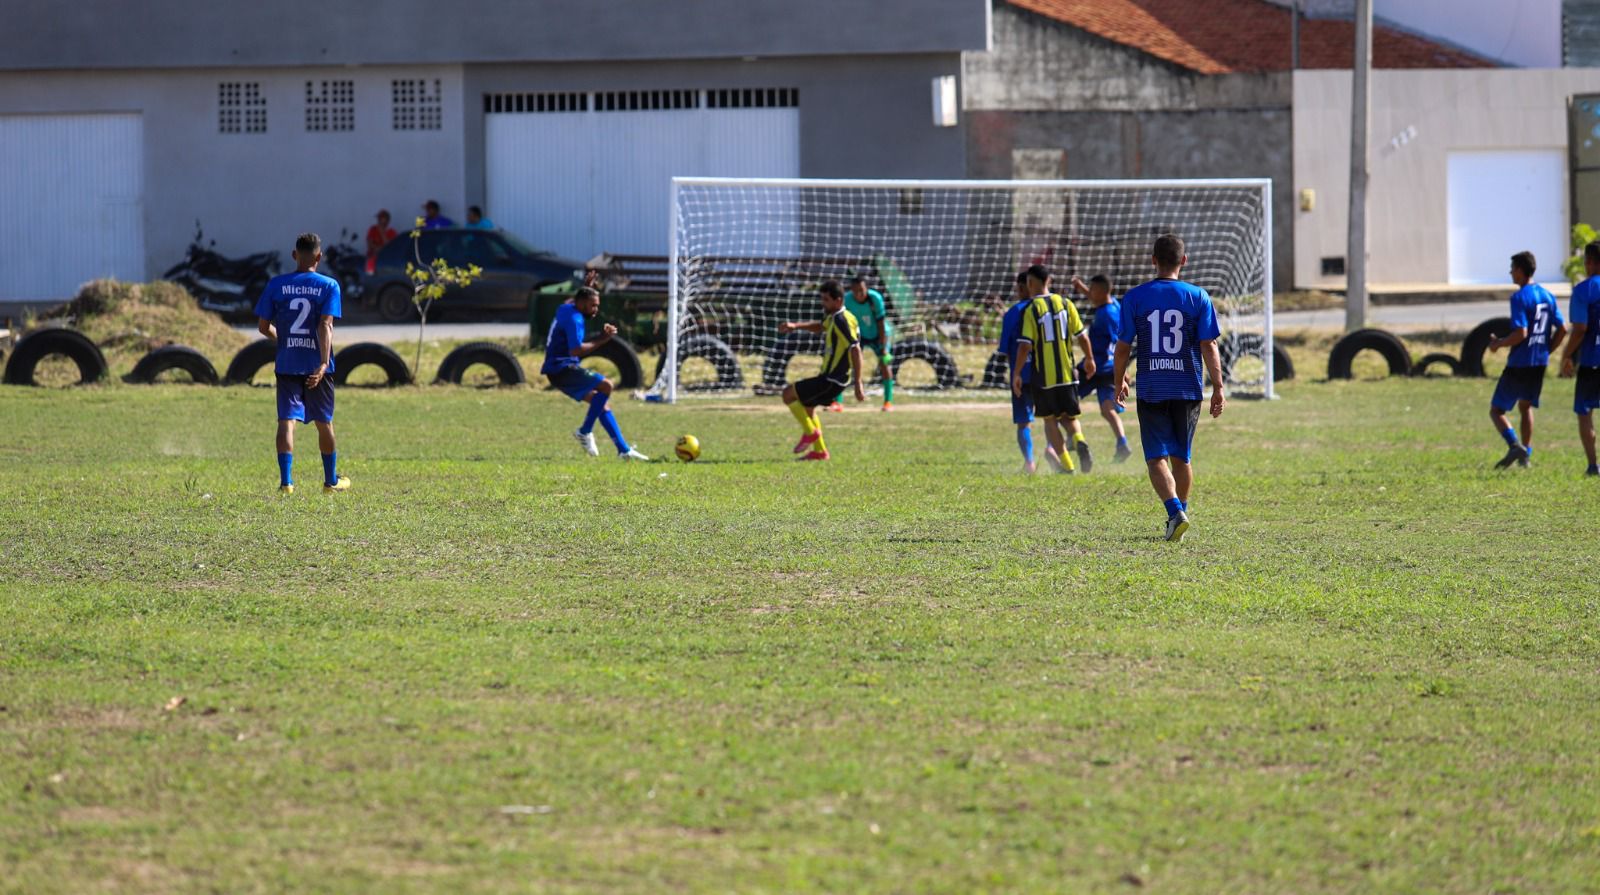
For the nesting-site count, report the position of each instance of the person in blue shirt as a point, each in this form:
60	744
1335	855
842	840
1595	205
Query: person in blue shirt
1103	330
564	348
1170	326
1582	355
432	219
476	220
1536	330
1021	401
297	311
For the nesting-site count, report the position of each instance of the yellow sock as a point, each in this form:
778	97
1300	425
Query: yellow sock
804	416
1066	460
818	445
1077	438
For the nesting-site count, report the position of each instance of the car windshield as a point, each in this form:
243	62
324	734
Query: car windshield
523	247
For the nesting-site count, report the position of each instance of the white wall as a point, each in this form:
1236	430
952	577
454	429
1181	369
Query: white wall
1418	119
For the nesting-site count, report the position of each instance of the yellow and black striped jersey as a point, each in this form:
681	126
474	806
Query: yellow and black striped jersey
839	332
1050	323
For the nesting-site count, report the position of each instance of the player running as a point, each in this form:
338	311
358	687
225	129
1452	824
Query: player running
866	305
1583	348
563	349
1534	312
297	311
1172	326
1050	323
841	366
1103	329
1021	399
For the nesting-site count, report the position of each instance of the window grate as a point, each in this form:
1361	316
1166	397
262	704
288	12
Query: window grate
241	109
753	98
330	106
535	102
643	100
646	100
418	104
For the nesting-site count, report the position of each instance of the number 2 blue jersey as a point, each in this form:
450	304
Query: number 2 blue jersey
1535	308
1165	321
296	303
1586	310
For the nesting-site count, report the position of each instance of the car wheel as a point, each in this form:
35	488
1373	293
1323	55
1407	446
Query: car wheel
395	305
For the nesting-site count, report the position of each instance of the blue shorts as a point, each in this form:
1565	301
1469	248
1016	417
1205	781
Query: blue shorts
1518	384
306	405
1167	428
576	382
1586	393
1101	386
1022	407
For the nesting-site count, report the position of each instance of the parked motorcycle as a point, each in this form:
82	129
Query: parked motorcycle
345	263
229	286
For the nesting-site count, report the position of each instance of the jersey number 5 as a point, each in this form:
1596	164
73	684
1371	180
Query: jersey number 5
1541	321
1170	342
302	305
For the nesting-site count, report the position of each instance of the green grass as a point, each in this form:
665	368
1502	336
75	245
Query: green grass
496	665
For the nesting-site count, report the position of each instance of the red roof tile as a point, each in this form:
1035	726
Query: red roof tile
1216	37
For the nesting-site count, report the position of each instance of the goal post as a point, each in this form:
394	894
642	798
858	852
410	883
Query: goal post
749	253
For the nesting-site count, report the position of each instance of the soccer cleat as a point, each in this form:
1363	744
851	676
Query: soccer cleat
631	454
836	407
1177	525
1525	462
887	407
587	440
1592	471
816	455
1516	454
1085	459
1123	453
285	489
805	442
342	484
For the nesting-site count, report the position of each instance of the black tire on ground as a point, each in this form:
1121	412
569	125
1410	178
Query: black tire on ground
997	372
944	366
42	343
1249	344
1385	343
1477	342
630	372
729	376
395	304
173	357
362	353
249	361
775	369
497	357
1438	358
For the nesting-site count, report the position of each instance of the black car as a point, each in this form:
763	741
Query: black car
512	270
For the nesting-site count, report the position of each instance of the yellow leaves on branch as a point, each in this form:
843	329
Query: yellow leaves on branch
430	282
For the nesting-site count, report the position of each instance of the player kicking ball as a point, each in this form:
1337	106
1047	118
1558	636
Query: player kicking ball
1169	325
1103	331
1582	356
841	367
563	349
1050	324
297	311
1534	312
1021	399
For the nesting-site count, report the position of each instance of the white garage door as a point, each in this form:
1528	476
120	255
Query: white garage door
71	194
1503	202
584	173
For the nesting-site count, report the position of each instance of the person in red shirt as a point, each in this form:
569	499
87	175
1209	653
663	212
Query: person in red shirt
378	235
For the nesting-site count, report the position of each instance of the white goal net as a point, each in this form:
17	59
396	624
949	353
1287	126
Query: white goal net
748	254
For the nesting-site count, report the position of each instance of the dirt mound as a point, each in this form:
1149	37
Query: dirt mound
127	320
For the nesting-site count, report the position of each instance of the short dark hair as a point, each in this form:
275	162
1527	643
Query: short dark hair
1591	252
473	209
585	292
431	203
1039	272
1100	279
1524	262
1169	250
1022	278
832	289
307	243
858	279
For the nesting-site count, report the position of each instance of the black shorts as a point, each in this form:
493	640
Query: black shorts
818	391
1061	400
1586	396
1518	384
1167	428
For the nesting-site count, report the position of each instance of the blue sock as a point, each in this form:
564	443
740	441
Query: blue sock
1510	435
597	406
1174	507
1122	441
1025	443
1529	449
609	423
285	469
330	468
1183	505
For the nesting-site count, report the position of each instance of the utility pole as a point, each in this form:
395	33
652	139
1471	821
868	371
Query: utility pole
1355	296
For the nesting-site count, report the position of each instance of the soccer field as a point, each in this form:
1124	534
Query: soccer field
498	665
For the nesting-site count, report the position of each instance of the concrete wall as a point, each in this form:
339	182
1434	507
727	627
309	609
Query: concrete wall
1418	118
1116	113
50	34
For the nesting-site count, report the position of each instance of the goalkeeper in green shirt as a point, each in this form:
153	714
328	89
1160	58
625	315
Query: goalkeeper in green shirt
867	307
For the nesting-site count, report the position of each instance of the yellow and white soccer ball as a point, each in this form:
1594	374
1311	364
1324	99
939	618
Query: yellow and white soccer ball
688	448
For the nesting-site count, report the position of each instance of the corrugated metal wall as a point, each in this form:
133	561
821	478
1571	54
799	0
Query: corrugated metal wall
71	202
1580	33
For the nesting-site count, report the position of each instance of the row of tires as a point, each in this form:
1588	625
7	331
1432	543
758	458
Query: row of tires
1394	353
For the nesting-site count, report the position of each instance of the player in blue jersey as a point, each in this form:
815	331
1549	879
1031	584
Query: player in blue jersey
1022	401
1170	326
297	311
1582	355
1103	330
564	348
1536	330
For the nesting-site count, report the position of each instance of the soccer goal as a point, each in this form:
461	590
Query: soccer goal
748	254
